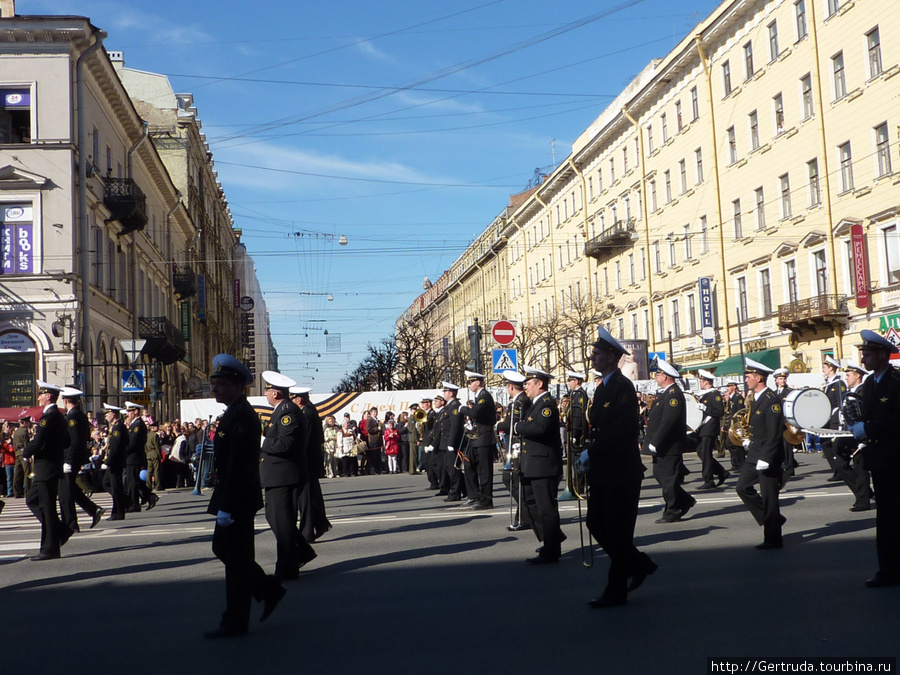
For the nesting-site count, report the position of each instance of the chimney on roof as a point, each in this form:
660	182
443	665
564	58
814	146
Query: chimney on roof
115	57
7	9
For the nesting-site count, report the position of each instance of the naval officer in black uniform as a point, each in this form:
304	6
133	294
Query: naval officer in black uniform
136	459
45	451
313	519
75	455
283	472
479	470
765	455
450	443
665	440
881	455
235	500
115	460
541	465
615	471
713	408
519	403
847	459
834	390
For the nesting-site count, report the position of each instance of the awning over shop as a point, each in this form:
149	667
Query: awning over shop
734	366
712	365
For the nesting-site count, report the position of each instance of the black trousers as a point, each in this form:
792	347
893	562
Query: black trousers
711	468
133	484
373	459
117	490
21	482
244	578
763	505
668	472
543	510
41	499
311	507
434	468
852	472
737	453
403	458
828	451
887	521
452	478
513	480
70	494
479	471
281	514
612	510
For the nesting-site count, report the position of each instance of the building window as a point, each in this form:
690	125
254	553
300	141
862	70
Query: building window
679	122
812	170
653	204
650	138
773	41
736	212
760	209
873	46
790	280
682	172
726	77
624	160
676	318
599	181
704	236
665	128
800	14
634	326
626	200
692	313
883	149
15	115
742	299
688	253
643	263
657	262
846	160
765	292
672	261
661	319
837	67
891	254
748	60
778	108
754	131
833	6
785	185
612	170
695	105
668	177
698	157
631	278
647	323
732	146
618	276
821	272
806	96
621	326
590	188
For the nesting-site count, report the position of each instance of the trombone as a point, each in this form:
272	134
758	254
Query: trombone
577	486
515	519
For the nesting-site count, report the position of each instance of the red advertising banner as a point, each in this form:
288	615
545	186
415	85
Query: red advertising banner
236	292
860	265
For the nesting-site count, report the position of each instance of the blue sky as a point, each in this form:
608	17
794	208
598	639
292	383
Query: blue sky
404	126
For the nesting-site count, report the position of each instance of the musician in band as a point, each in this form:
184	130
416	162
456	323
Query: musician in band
576	418
666	440
781	391
713	408
136	460
846	458
765	454
435	454
115	460
479	469
75	456
518	404
881	455
734	402
541	465
450	442
834	390
615	471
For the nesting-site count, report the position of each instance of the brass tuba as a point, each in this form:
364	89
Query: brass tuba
739	431
420	415
793	435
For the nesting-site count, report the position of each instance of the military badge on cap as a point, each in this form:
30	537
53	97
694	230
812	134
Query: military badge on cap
574	375
706	375
538	373
449	386
667	368
606	341
853	366
471	376
831	361
70	392
513	376
131	405
47	388
114	408
276	380
751	366
780	372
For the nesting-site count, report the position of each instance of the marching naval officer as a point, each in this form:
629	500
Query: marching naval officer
313	520
881	456
615	471
75	455
45	451
714	474
236	499
765	454
834	390
115	460
782	390
449	444
136	459
283	472
665	440
846	459
518	405
541	465
479	470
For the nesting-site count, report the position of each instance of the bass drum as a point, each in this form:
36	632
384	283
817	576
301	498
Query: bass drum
807	408
694	414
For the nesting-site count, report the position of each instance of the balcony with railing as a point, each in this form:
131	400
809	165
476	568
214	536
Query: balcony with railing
126	202
622	234
184	282
165	341
813	313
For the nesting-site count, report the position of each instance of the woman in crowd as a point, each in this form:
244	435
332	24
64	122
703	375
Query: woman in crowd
331	443
9	457
403	428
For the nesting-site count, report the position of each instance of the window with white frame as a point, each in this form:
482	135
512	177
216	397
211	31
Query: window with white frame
631	277
773	41
838	77
624	160
688	254
661	319
736	216
732	146
873	50
676	318
748	61
646	313
820	271
760	209
679	120
778	110
15	115
643	263
845	157
698	159
599	181
620	324
833	6
790	281
753	121
806	96
668	180
726	77
704	236
650	147
814	195
626	202
847	265
784	183
590	182
672	260
800	18
612	170
634	326
657	258
653	203
665	128
682	172
765	292
742	306
891	245
883	150
618	276
695	104
692	313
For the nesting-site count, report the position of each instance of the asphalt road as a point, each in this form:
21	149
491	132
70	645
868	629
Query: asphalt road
406	583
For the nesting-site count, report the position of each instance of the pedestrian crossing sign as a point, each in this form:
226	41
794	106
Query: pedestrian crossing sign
505	359
132	381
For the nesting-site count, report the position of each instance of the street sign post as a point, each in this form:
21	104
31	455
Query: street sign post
503	332
132	381
505	359
132	349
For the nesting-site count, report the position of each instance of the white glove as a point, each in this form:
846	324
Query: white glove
652	448
224	519
702	407
104	467
746	443
67	468
428	448
583	463
761	465
451	448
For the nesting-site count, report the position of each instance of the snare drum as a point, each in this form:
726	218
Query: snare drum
807	408
693	416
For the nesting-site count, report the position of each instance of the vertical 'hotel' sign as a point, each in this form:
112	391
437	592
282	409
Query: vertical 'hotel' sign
860	265
707	329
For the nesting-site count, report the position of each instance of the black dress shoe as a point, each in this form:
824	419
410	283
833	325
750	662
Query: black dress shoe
835	479
722	478
271	602
116	517
133	509
453	499
707	486
603	602
767	545
860	507
639	578
878	581
224	633
44	556
98	514
668	519
307	556
515	528
441	493
153	499
478	506
470	502
542	560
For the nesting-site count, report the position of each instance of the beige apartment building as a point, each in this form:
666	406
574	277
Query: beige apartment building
741	192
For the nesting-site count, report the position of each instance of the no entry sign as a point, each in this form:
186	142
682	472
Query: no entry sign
503	332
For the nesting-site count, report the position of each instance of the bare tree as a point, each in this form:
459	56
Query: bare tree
381	363
579	325
417	364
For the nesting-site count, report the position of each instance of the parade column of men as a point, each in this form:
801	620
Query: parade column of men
479	469
115	460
